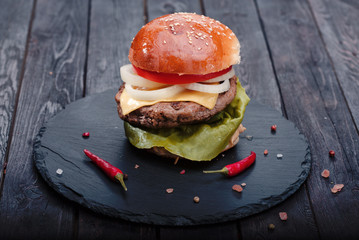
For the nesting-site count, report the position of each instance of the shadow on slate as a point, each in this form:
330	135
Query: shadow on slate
268	182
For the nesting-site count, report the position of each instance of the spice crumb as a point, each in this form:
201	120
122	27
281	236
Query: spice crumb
237	188
283	216
176	161
271	226
183	172
50	73
243	184
196	199
325	173
169	190
59	171
337	188
137	166
279	156
265	152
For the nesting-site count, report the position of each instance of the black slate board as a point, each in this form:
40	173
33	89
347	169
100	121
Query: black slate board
269	181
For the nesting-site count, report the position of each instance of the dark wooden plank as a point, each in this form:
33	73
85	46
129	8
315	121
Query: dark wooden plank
157	8
337	22
96	226
221	231
256	72
314	101
14	25
30	209
113	24
300	224
112	27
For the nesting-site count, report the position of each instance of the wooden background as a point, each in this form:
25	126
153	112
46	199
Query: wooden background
298	56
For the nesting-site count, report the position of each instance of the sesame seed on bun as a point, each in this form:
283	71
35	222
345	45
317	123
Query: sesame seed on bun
184	43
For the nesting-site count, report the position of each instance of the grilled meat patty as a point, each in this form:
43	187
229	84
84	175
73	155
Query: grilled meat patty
173	114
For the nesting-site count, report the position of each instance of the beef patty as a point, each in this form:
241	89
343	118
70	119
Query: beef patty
173	114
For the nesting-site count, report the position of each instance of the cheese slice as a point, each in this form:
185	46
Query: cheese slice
208	100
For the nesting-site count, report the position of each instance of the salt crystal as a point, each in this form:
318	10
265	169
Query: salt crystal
279	156
59	171
249	138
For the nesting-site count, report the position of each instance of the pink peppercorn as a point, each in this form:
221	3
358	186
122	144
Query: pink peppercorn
86	135
273	128
331	153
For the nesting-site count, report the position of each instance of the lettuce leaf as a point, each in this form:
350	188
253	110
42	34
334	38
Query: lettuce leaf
197	142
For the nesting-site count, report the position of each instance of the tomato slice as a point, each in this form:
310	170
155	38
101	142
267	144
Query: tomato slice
172	78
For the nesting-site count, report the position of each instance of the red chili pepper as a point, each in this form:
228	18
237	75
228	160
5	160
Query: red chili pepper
237	167
113	172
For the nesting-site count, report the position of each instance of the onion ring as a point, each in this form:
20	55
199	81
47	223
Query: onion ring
151	95
129	76
209	88
221	78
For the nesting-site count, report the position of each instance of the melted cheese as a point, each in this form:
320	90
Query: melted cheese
208	100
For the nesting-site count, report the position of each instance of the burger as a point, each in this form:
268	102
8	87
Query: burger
180	97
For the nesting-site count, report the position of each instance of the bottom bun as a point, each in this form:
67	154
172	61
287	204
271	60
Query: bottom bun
160	151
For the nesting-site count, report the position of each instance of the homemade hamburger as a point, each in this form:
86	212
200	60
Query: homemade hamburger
180	96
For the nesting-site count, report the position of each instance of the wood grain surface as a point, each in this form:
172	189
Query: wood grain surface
53	78
319	109
14	27
340	34
113	25
299	57
157	8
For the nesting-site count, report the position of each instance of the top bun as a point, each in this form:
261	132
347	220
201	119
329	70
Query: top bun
184	43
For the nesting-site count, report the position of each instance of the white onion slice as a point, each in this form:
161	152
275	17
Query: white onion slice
221	78
129	76
151	95
209	88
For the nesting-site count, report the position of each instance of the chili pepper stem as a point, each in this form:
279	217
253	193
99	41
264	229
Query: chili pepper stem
119	177
223	170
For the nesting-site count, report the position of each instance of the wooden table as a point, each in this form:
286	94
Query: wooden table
300	57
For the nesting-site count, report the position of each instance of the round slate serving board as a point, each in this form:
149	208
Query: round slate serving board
268	182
